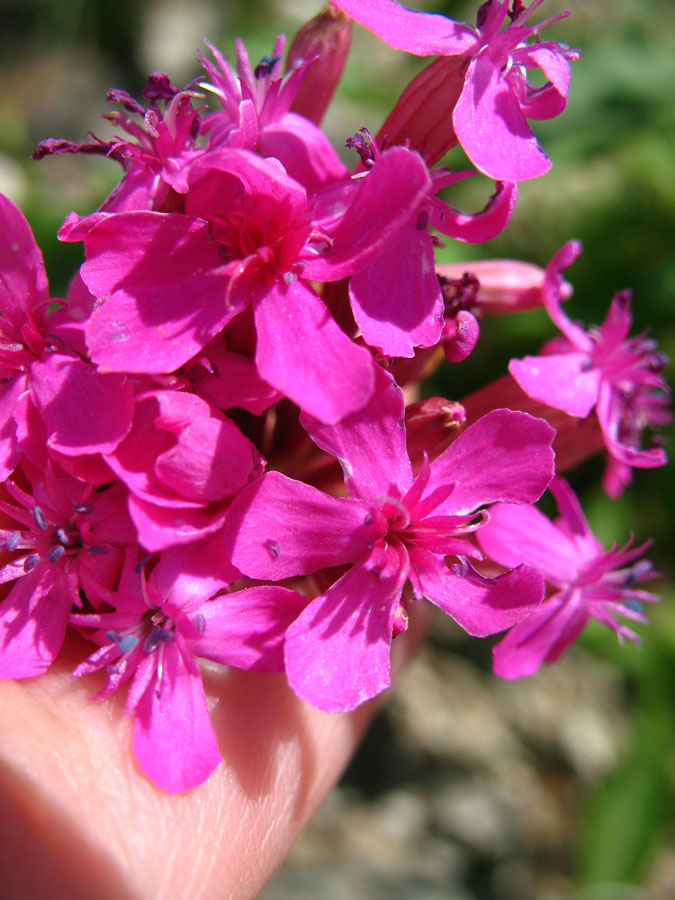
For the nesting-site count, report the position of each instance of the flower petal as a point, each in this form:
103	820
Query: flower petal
542	637
561	380
518	533
421	33
475	228
337	650
164	282
247	628
480	605
392	192
33	620
370	444
84	410
303	353
277	528
161	527
491	127
23	281
505	455
396	299
173	737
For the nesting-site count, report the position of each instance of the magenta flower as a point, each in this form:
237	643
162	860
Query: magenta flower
49	397
24	298
257	115
155	160
63	536
392	530
395	296
602	370
157	630
588	582
495	99
182	462
172	282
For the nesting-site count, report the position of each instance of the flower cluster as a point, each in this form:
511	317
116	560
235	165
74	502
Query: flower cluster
212	447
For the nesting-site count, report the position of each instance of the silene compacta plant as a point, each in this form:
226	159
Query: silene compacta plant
211	448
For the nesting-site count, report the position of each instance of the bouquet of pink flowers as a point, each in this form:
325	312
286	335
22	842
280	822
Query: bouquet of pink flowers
214	448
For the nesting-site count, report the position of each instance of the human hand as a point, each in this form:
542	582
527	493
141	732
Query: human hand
79	819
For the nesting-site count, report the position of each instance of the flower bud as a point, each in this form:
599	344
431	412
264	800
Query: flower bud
327	37
459	336
431	426
506	285
423	114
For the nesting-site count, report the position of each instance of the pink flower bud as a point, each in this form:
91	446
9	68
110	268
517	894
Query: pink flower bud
423	114
459	336
506	285
431	426
327	36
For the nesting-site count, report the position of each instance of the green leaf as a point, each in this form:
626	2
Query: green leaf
624	817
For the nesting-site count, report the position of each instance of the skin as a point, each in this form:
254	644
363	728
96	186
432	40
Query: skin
79	819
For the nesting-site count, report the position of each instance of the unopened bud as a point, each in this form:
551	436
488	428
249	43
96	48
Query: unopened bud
431	426
327	37
459	336
506	285
422	116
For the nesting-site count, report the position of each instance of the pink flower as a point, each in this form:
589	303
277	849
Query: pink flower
495	98
173	282
602	370
24	299
588	582
394	293
392	530
155	161
65	536
182	461
158	628
257	114
50	399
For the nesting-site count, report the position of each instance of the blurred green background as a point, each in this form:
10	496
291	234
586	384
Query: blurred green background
465	787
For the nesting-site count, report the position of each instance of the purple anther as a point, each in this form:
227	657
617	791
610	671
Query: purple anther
39	518
55	553
30	562
127	643
266	66
273	548
13	540
64	536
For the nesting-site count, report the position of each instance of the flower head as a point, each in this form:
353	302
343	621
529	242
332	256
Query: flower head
490	97
588	582
158	627
601	370
156	158
172	282
391	530
63	536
